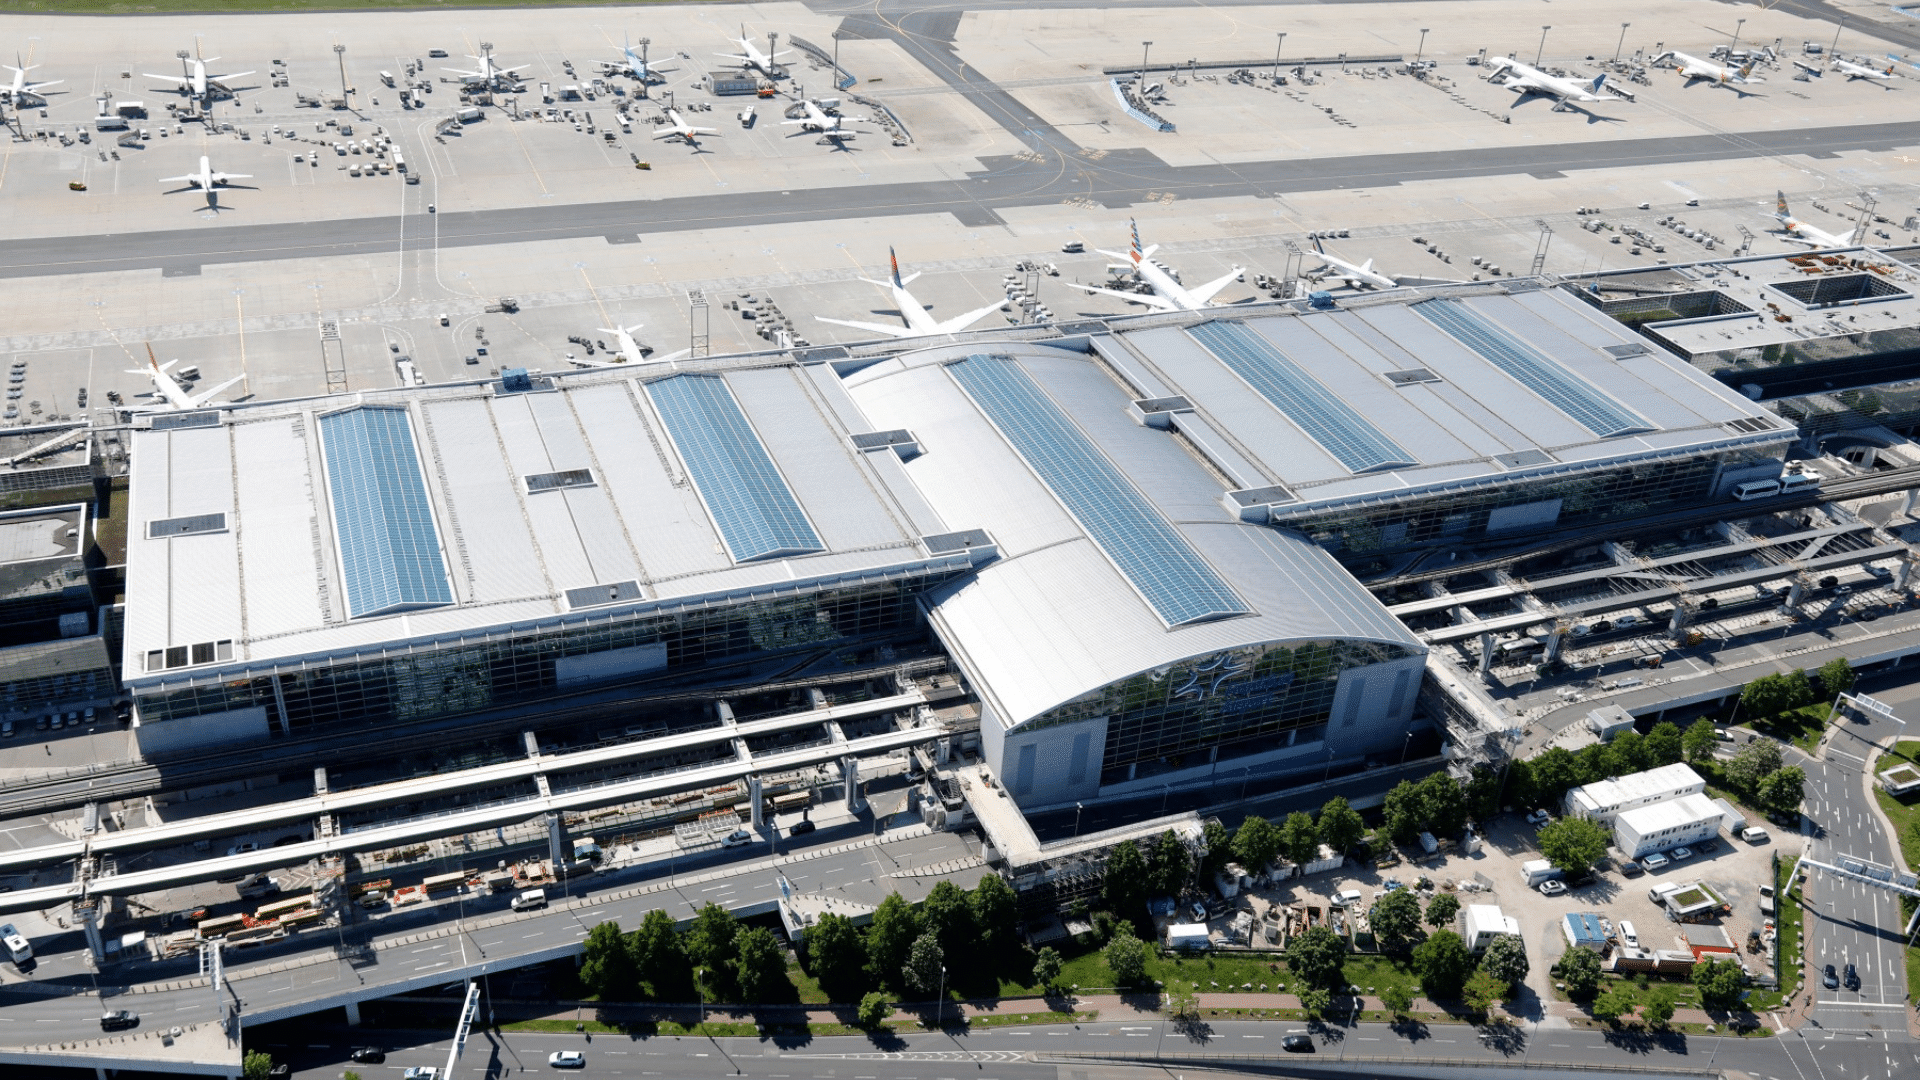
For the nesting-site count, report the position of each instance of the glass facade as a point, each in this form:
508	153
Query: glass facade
466	676
1243	701
1590	495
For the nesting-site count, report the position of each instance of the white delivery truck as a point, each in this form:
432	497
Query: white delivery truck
19	949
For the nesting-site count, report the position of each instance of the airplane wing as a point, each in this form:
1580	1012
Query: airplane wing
959	323
223	78
205	396
877	328
194	179
174	79
223	177
1206	292
1145	299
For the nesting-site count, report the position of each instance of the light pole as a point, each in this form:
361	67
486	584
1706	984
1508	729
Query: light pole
1836	35
1405	745
1622	42
1542	50
1737	26
1144	46
340	52
1422	50
940	1007
1276	54
1077	807
1328	775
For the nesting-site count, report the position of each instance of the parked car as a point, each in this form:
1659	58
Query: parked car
1681	854
1297	1044
801	827
737	838
421	1072
1631	869
1830	979
1653	860
1539	818
1552	888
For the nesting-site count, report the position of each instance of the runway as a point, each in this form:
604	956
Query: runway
1119	180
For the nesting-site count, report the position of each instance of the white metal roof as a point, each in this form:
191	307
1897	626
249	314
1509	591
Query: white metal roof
1640	785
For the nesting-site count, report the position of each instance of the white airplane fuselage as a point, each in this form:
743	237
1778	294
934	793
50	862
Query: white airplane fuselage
1692	67
1527	79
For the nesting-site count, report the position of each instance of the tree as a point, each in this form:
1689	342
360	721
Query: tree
1505	959
837	956
1595	762
1396	918
1615	1003
1753	763
1403	811
889	936
1629	752
1443	805
607	970
1172	865
1799	689
1769	695
1441	910
1046	968
873	1009
1573	844
1700	739
946	915
1315	1001
926	961
996	913
1125	881
710	945
1443	963
1483	793
1340	825
1664	744
1781	790
760	966
1837	676
659	959
1300	838
1659	1010
1219	845
1318	957
1482	990
1126	957
1256	842
1396	998
256	1065
1554	773
1580	971
1720	983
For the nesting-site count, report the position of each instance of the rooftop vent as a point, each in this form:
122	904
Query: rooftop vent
602	595
899	440
1623	352
1752	424
955	542
186	526
821	354
1158	412
1523	459
179	656
555	481
170	421
1412	377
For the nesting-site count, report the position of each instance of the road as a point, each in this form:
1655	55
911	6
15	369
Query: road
1365	1049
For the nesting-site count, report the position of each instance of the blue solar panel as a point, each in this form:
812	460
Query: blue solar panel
1173	578
1300	397
1568	392
389	549
756	512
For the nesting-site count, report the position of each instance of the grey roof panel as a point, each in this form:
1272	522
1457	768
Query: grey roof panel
1523	361
389	548
749	500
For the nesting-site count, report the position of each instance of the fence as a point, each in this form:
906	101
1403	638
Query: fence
841	79
1137	109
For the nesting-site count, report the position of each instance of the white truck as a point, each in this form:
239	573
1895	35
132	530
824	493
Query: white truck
1535	871
19	949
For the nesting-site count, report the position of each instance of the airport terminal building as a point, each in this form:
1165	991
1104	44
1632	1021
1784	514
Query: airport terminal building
1127	538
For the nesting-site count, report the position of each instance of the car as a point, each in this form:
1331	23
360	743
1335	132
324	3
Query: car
567	1059
367	1055
801	827
1706	847
121	1019
1552	888
279	1069
421	1072
1829	979
242	849
1297	1044
1680	854
737	838
1627	935
6	730
1631	869
40	723
1851	978
1653	860
1538	818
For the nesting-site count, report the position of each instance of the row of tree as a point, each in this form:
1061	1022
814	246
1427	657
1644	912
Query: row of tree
1166	868
1446	968
714	956
1720	983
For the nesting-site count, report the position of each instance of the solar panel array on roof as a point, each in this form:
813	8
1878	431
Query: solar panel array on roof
749	500
1526	365
1175	581
389	548
1300	397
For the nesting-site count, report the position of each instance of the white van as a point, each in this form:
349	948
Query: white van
532	898
1755	835
1757	489
1627	936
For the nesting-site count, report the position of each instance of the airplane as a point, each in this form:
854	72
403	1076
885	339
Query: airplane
753	57
629	349
1813	70
166	391
1861	71
198	83
679	129
489	73
20	86
1694	69
633	65
820	120
206	180
1796	231
918	322
1528	81
1354	276
1168	294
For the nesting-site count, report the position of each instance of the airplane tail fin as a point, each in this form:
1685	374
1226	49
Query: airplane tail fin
1317	247
1135	249
1780	205
894	260
1598	81
1367	267
1746	71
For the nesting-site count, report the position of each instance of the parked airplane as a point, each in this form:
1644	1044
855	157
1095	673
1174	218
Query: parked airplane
1861	71
1794	230
918	322
197	83
1168	294
1354	276
205	180
489	73
20	86
633	65
679	129
818	119
166	391
630	350
1529	81
752	57
1694	69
